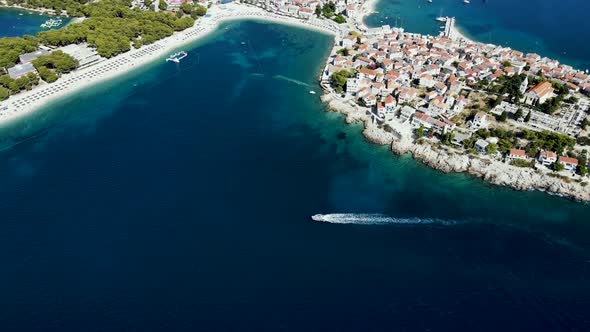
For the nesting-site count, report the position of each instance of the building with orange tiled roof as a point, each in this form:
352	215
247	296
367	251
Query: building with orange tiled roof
539	93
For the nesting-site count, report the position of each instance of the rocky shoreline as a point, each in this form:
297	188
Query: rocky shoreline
447	160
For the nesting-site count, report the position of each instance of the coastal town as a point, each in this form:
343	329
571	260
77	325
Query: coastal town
513	118
463	101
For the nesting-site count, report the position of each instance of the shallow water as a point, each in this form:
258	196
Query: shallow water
16	22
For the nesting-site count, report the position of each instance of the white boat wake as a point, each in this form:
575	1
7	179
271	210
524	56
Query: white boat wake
292	80
377	219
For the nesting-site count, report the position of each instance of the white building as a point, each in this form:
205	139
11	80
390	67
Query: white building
481	145
480	121
570	164
547	157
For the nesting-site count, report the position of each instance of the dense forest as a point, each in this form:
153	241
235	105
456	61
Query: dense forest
110	26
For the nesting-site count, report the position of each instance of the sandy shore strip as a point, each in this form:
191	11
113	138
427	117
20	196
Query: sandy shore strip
45	11
367	8
26	102
457	34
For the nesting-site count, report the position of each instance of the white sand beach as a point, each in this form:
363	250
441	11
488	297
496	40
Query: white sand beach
457	34
26	102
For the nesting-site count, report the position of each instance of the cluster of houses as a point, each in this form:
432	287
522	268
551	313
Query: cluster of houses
306	8
421	79
546	158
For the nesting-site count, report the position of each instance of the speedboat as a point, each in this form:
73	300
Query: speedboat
312	92
318	217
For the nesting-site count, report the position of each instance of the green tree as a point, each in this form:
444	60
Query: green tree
57	60
338	80
47	75
339	19
12	47
329	9
447	137
492	148
504	145
4	93
162	5
186	8
420	132
200	10
527	118
582	169
503	116
343	52
557	166
318	10
585	123
518	114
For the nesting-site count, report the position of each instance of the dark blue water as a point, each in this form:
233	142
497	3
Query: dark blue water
556	29
178	199
15	22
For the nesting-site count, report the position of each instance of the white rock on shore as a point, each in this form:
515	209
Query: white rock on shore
448	160
493	171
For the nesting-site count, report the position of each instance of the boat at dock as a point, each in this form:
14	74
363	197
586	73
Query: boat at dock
440	17
176	57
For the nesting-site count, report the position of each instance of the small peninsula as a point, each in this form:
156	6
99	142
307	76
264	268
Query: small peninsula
513	119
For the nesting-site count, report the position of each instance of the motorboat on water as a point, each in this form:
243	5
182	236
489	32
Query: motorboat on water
466	1
318	217
312	92
440	17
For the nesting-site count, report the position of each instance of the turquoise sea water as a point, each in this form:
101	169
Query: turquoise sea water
179	198
553	29
15	22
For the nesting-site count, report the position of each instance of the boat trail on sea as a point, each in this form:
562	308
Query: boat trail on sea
377	219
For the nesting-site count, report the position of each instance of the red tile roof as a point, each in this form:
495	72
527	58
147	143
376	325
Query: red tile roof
517	152
568	160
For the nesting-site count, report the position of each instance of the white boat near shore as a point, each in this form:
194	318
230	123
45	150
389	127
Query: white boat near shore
52	23
176	57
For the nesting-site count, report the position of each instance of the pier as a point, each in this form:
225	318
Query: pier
449	28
